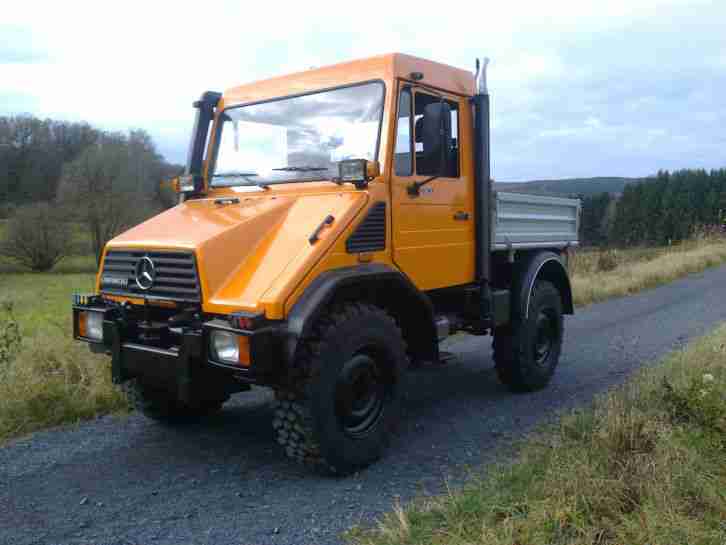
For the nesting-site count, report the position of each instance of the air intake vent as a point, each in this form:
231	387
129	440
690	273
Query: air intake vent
370	235
171	276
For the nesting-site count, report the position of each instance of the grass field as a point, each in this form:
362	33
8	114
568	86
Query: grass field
598	275
645	465
55	380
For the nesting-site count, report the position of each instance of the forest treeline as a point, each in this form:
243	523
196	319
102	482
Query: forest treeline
74	173
35	154
71	173
663	209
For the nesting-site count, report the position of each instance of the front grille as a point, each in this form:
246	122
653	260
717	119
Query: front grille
176	275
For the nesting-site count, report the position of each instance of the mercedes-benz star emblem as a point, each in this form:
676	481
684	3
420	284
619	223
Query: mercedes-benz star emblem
145	273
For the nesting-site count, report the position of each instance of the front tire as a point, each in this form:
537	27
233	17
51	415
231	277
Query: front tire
526	352
162	407
339	413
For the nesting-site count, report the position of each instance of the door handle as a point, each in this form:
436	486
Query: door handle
461	216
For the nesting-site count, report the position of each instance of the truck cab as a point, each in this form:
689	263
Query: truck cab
333	226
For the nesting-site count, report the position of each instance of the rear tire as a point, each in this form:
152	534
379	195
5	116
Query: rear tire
526	352
162	407
340	411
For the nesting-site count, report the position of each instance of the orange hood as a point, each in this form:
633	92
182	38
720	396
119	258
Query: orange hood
246	250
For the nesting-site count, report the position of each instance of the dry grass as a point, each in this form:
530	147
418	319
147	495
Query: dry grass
647	464
598	275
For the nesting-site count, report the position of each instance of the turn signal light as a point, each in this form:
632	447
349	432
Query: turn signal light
244	350
90	325
243	322
83	324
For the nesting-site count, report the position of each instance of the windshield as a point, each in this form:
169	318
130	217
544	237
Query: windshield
299	138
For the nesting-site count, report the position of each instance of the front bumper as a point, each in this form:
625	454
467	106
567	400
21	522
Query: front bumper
186	361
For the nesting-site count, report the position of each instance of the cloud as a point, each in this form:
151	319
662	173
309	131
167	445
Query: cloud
17	46
579	88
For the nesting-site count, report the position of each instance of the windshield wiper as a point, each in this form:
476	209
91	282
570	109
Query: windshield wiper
235	174
301	169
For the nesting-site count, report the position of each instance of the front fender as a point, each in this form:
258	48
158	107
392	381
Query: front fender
376	283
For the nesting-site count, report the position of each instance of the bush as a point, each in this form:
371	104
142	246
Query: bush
10	337
702	402
37	237
607	261
6	210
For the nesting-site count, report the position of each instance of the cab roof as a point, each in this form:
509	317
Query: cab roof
387	67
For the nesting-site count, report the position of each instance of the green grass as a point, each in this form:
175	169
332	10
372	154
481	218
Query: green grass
74	264
53	379
645	465
42	300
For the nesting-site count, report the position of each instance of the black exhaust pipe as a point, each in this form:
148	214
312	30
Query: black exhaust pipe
482	175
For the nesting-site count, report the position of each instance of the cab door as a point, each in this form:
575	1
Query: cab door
433	231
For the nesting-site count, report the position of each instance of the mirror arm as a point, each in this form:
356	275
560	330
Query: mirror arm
415	188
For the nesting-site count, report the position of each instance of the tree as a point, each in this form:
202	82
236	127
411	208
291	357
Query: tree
104	187
670	207
38	237
32	154
593	224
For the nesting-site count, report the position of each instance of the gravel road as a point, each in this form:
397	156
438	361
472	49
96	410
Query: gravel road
130	481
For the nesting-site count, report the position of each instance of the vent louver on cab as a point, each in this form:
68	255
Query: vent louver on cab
175	279
370	235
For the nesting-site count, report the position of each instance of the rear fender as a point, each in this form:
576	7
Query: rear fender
543	265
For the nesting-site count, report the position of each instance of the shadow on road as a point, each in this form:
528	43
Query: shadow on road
242	431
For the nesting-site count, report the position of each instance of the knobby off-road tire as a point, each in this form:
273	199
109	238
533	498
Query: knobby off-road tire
526	352
160	406
345	400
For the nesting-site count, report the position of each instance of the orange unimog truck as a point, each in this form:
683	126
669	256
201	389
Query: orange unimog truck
333	227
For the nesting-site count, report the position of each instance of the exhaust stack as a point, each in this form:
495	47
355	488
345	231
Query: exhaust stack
483	184
480	77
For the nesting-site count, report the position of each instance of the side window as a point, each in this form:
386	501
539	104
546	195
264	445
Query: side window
428	161
402	156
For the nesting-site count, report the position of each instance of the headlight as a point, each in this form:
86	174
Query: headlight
90	325
230	348
226	347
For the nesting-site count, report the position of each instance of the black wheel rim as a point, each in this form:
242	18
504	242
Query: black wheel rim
545	338
360	395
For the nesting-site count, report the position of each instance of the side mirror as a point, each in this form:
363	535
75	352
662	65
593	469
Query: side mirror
436	138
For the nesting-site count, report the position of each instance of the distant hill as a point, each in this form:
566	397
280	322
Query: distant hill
569	186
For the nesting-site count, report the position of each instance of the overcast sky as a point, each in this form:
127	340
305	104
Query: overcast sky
620	87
